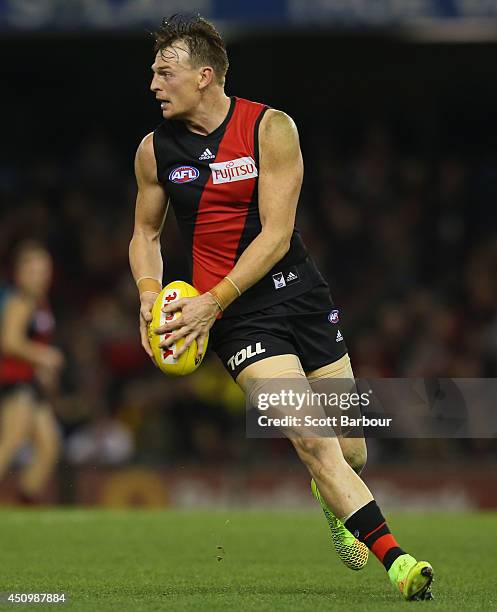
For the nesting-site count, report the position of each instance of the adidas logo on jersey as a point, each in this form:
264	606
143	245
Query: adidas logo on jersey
207	154
339	336
290	277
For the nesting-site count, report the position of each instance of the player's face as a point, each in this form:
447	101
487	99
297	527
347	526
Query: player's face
175	82
33	272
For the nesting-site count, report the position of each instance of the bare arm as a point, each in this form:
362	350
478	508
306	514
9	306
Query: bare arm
144	250
280	180
150	212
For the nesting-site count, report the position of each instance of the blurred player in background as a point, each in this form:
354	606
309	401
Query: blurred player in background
29	370
233	170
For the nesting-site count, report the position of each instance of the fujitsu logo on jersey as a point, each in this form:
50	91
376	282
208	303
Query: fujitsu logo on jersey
233	170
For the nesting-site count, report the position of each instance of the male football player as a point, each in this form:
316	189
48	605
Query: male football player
232	169
29	370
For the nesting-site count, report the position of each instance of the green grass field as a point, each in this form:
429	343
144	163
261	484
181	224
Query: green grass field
166	560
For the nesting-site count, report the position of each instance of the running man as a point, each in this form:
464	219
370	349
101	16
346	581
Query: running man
232	169
29	370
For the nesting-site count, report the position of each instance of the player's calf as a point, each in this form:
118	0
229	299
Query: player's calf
325	461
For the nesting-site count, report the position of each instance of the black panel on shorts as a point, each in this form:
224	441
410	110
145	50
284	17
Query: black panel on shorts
306	325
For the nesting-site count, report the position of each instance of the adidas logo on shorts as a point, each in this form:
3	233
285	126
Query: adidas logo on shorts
207	154
290	277
339	336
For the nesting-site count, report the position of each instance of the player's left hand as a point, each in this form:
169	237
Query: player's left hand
198	315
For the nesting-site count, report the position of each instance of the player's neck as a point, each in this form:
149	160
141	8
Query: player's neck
209	114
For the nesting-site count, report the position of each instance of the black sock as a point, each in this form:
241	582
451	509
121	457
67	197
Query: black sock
369	526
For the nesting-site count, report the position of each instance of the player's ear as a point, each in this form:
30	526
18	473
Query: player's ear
205	76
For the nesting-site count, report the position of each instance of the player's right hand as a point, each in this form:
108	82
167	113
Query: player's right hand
147	300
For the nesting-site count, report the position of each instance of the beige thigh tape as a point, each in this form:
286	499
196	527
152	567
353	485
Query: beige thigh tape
338	369
280	366
281	375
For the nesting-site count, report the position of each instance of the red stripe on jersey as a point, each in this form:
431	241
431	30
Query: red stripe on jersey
223	207
15	371
40	330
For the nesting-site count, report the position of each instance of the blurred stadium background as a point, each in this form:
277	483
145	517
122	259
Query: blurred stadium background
396	103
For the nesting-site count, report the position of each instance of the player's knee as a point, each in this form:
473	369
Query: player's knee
356	455
309	447
10	444
16	431
47	440
51	450
320	455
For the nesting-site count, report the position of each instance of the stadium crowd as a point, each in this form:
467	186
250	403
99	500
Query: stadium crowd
408	244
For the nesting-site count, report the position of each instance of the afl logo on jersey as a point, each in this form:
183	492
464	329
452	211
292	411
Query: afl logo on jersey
183	174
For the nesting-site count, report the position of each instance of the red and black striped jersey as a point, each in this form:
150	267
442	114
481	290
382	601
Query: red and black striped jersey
212	184
40	329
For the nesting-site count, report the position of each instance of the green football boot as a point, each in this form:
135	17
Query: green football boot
353	553
412	578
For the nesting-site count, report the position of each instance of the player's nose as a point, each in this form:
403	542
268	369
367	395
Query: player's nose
154	85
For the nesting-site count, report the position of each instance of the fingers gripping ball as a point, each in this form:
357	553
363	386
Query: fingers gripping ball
166	357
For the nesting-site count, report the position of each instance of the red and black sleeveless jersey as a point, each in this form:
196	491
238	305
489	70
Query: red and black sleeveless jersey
41	327
211	182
